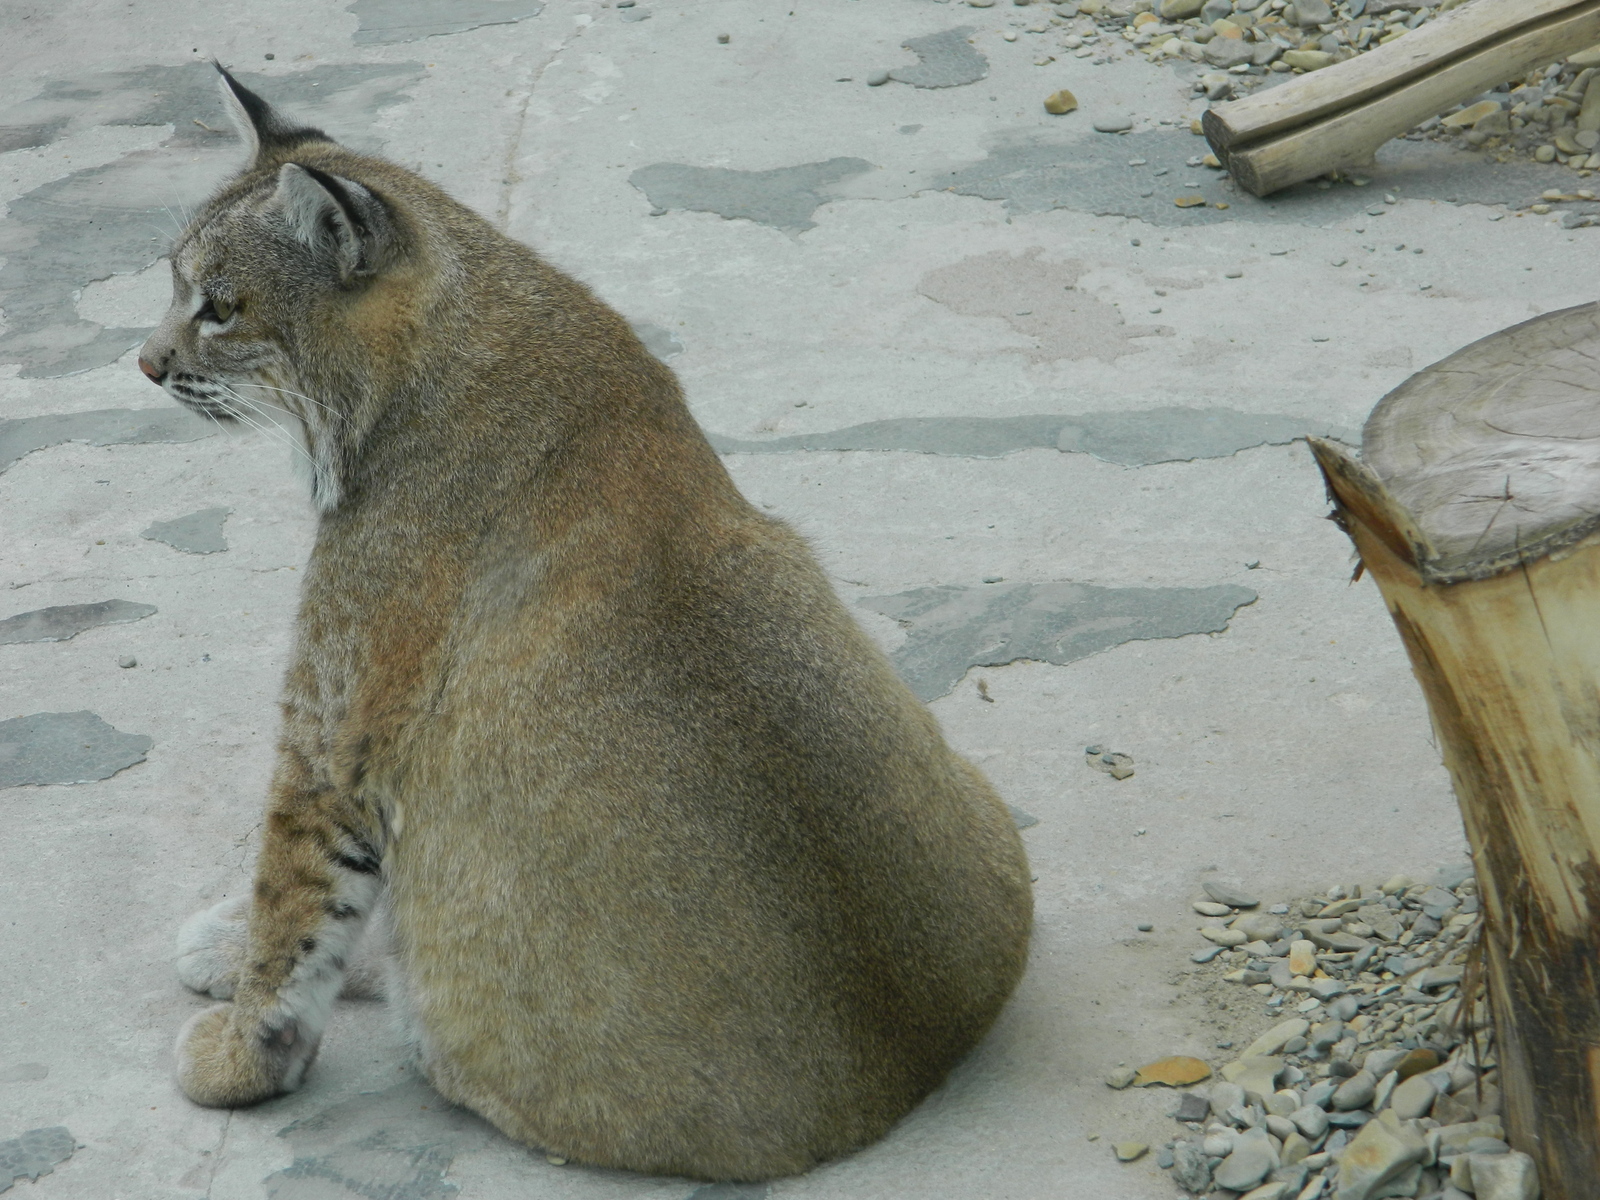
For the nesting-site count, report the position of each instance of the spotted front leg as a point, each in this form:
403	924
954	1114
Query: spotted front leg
316	884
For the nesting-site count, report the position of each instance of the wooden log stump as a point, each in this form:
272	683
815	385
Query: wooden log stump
1475	505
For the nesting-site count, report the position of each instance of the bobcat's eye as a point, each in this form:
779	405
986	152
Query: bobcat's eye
217	310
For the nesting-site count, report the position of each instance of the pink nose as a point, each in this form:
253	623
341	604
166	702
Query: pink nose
151	372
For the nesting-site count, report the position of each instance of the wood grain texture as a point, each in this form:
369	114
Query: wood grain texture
1348	138
1502	627
1458	33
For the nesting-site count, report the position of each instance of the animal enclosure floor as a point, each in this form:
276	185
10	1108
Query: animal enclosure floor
1036	419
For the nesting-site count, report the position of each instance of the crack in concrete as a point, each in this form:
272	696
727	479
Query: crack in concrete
944	60
195	533
784	197
63	622
1130	439
107	220
99	427
951	629
387	21
75	747
34	1153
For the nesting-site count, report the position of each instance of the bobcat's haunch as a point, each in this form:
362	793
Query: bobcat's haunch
678	876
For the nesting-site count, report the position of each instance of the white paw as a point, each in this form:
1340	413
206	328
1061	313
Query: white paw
211	948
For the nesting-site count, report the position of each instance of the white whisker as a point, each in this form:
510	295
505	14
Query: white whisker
328	408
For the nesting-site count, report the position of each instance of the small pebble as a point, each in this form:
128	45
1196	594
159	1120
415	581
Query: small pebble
877	78
127	661
1060	103
555	1160
1128	1151
1144	926
1236	274
1121	1078
1113	123
722	39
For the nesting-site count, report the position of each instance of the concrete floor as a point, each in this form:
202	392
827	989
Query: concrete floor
794	241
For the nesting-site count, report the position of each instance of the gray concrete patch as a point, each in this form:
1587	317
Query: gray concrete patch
118	219
66	621
784	197
1099	174
731	1191
1021	819
946	60
196	533
99	427
1155	435
75	747
385	21
27	1072
1132	439
952	629
37	1152
397	1144
1040	300
661	342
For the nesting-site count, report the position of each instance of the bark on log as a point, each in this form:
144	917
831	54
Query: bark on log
1476	507
1337	117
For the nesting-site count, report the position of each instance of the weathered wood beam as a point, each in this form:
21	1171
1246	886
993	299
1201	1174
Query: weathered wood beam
1336	118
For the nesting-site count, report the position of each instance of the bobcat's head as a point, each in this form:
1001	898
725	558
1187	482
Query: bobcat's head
290	292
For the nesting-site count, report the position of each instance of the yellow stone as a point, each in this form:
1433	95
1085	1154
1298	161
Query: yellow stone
1211	160
1145	18
1060	102
1226	28
1302	958
1196	128
1193	202
1221	204
1472	114
1177	1071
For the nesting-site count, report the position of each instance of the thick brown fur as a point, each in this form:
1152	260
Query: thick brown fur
680	876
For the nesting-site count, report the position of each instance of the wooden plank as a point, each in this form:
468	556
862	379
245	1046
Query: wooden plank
1461	31
1507	652
1351	137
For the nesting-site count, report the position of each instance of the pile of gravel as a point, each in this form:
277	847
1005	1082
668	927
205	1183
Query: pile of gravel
1376	1082
1552	115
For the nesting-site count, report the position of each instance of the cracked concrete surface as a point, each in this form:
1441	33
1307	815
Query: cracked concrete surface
385	21
943	60
102	427
194	533
784	197
63	622
1133	439
398	1143
73	747
954	628
1040	300
937	382
36	1152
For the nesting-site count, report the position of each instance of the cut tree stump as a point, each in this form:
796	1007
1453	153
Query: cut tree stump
1336	118
1475	505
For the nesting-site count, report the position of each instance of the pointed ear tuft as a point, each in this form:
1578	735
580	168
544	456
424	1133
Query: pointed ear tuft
264	131
338	219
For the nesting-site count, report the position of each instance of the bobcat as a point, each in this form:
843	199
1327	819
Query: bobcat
677	875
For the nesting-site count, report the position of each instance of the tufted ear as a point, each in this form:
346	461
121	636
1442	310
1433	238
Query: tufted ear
340	220
264	131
